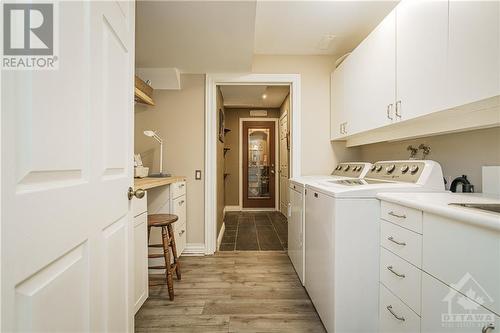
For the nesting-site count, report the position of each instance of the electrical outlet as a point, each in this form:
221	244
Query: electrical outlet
197	174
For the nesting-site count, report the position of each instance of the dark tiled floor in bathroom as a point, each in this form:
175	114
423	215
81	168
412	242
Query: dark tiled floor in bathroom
254	231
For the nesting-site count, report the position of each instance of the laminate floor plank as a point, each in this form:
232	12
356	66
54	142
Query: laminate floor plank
233	291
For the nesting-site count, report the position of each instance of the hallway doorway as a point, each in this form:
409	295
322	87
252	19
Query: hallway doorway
258	166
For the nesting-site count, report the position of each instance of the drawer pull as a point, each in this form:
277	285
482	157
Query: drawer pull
315	195
395	241
181	202
397	215
389	308
395	273
487	328
181	185
182	231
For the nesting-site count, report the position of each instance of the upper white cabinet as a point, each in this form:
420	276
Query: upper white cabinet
426	56
473	57
421	48
337	111
364	86
371	90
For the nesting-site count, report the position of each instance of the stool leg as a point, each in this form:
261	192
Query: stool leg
168	269
174	252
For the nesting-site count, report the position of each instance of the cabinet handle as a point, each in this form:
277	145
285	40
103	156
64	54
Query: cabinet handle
395	273
487	328
315	195
401	318
389	109
395	241
397	215
398	109
182	231
181	202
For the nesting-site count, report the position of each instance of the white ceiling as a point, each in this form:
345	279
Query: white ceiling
195	36
297	27
241	96
223	36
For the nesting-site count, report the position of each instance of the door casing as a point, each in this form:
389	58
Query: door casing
211	136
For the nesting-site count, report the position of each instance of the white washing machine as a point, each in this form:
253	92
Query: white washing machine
342	240
296	218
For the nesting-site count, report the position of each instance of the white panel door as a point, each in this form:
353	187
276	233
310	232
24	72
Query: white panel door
474	51
371	103
66	167
421	54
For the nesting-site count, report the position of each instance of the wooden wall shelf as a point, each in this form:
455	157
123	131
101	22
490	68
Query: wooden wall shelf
143	92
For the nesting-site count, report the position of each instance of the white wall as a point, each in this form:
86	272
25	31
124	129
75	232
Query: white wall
458	153
179	118
319	155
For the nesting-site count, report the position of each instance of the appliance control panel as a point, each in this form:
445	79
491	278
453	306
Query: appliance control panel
354	169
401	171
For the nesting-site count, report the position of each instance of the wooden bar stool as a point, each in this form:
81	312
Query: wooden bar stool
165	221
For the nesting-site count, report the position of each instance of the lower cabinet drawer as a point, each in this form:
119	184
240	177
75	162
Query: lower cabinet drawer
395	316
403	242
180	237
402	278
404	216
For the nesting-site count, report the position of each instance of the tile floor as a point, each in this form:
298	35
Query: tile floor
255	231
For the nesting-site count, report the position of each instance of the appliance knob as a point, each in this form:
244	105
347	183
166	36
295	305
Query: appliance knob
347	167
358	168
379	167
404	168
372	168
414	168
390	168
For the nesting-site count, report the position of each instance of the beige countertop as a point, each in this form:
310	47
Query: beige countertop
438	203
150	182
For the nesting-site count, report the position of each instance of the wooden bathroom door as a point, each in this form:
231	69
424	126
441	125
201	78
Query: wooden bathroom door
259	165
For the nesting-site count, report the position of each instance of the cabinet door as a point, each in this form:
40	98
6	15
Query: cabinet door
444	310
471	254
421	45
320	255
140	260
372	85
295	233
337	108
473	57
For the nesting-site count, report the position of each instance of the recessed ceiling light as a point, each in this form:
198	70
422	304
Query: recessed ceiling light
264	96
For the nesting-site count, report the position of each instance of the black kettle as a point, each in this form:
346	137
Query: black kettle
467	187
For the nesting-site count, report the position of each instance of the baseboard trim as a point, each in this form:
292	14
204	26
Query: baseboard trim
259	210
232	208
194	249
221	234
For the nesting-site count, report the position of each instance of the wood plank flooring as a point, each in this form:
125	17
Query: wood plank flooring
231	292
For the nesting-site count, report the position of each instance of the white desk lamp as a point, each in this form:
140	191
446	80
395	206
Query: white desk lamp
153	134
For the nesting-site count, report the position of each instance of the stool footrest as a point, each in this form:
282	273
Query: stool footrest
156	255
156	267
155	245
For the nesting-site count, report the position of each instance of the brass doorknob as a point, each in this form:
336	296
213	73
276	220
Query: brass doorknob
139	193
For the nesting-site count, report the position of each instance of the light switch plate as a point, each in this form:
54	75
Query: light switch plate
197	174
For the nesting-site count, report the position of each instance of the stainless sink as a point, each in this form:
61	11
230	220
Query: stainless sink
495	208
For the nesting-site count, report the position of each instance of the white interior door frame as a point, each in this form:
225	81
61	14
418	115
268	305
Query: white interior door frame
211	83
240	162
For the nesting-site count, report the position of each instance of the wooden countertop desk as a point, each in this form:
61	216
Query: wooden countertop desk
150	182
